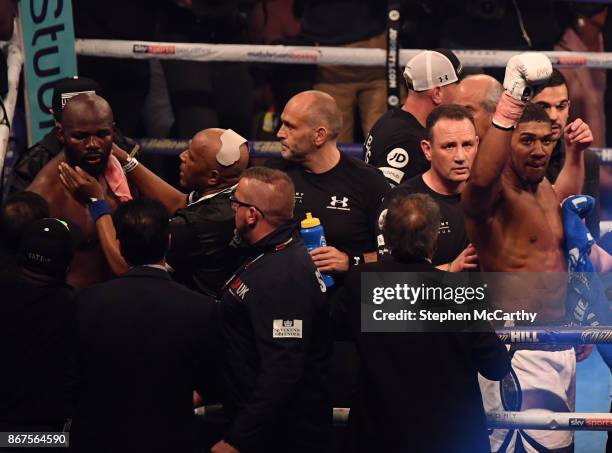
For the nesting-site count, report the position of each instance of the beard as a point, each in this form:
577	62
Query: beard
95	170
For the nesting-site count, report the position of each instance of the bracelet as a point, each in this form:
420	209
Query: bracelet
131	164
97	209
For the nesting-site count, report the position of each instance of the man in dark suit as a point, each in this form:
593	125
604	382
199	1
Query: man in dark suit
418	392
145	344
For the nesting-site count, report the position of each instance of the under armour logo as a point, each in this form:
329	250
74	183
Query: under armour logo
339	204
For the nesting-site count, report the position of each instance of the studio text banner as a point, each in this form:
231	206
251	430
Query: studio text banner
49	55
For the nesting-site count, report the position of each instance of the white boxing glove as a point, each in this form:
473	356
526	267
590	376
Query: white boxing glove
526	74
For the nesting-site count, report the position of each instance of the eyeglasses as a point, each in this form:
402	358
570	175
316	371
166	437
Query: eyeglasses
235	202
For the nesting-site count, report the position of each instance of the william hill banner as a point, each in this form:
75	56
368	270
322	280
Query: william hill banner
49	55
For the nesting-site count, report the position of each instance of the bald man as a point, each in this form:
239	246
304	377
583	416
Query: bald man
343	192
86	138
480	94
275	325
202	251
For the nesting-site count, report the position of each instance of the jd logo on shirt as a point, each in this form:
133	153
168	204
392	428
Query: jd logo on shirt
397	158
339	203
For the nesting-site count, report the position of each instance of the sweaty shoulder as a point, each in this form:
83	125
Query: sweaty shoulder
47	183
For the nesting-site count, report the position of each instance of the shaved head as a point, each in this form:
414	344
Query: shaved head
319	109
201	170
86	105
210	141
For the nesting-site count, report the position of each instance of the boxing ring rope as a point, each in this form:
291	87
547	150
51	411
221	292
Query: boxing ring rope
272	54
538	419
556	335
263	149
248	53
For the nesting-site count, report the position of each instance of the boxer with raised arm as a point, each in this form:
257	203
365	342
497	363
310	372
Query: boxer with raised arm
513	218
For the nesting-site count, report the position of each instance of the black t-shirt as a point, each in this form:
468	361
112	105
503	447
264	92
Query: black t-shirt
346	199
394	146
452	238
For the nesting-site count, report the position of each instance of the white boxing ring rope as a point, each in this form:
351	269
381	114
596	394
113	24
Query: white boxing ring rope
249	53
272	54
537	419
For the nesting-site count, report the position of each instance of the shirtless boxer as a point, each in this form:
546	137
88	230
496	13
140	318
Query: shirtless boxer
513	218
513	215
86	134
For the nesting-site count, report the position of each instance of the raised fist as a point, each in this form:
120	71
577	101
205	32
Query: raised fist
526	74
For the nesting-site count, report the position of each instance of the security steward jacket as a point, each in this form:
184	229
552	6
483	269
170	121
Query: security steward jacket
277	339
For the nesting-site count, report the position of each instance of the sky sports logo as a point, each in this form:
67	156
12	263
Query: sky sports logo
154	49
590	422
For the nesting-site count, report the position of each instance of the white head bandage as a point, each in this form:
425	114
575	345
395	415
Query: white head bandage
230	148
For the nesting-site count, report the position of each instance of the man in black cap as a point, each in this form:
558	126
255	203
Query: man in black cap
17	212
32	160
37	329
394	143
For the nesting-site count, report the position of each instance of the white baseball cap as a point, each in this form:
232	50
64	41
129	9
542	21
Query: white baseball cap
432	68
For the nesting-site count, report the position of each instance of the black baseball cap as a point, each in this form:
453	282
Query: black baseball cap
47	247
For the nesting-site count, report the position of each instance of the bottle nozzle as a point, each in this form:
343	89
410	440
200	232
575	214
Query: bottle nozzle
310	221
